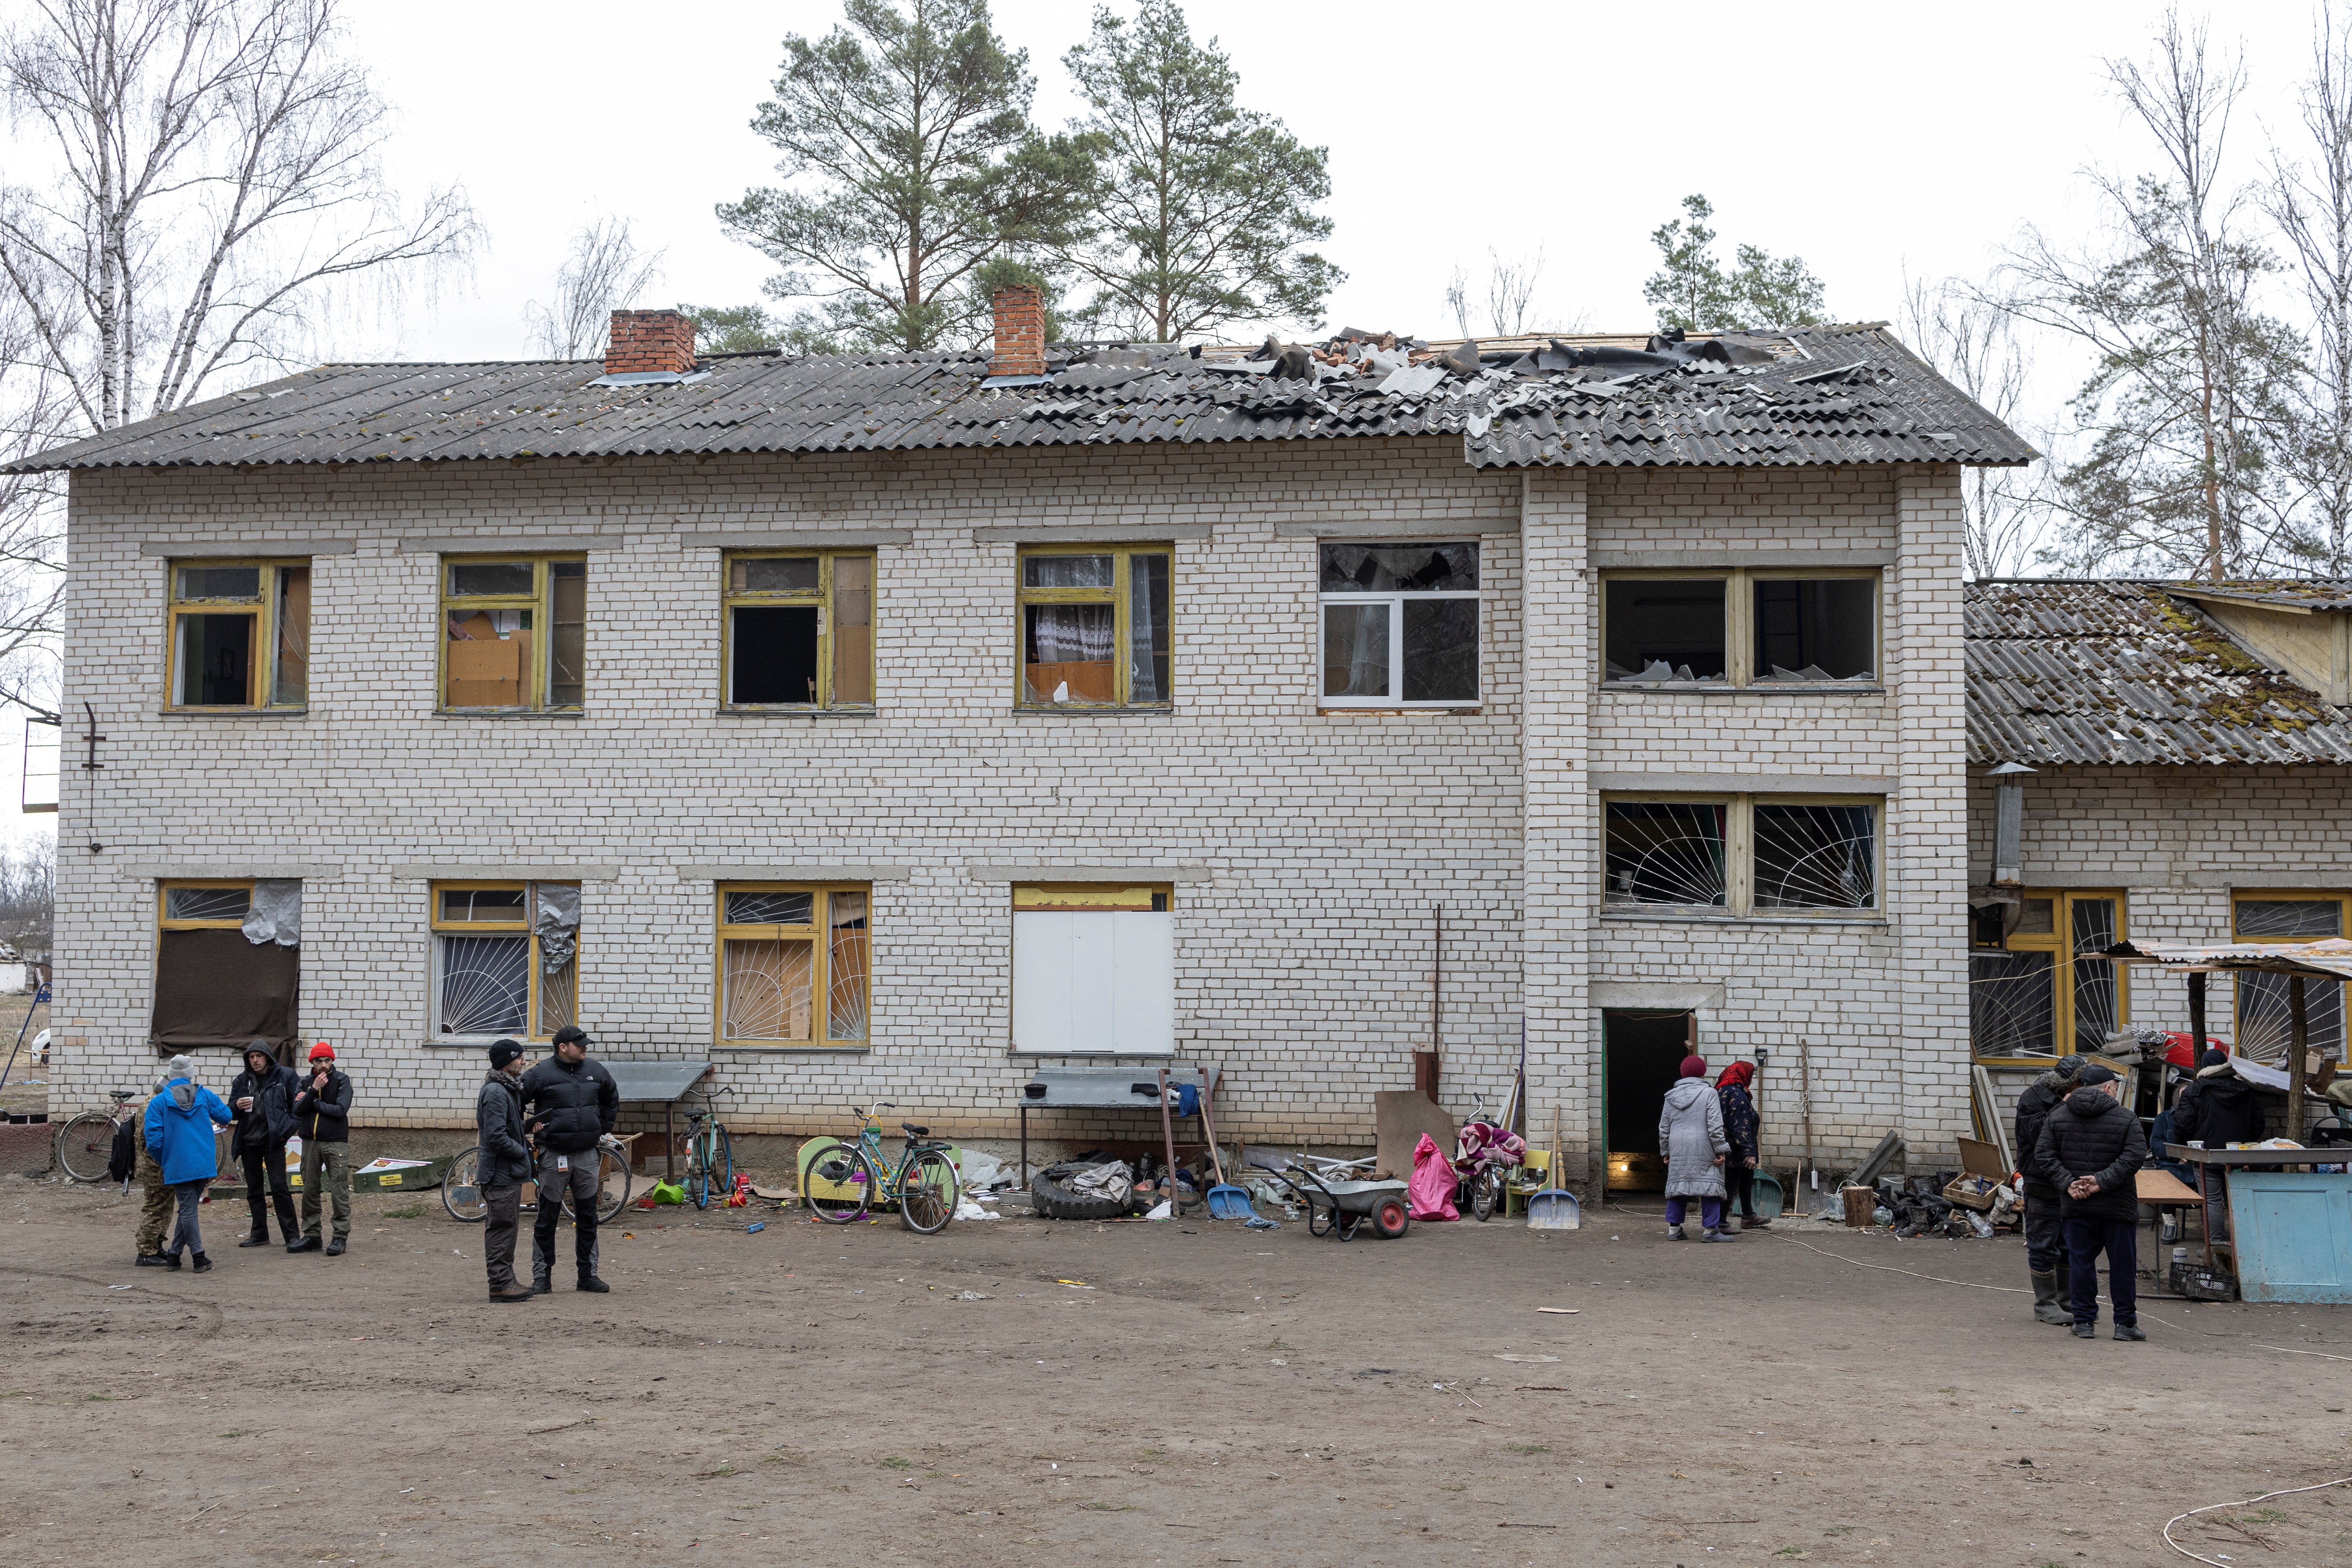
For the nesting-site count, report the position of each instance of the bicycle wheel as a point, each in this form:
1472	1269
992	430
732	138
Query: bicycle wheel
722	1146
1487	1191
927	1193
85	1144
613	1182
697	1166
842	1184
460	1194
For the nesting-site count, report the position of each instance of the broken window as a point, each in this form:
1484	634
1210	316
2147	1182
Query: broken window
506	959
1741	855
514	633
1094	969
240	634
2046	992
795	965
1740	627
2265	1021
799	631
221	976
1094	628
1400	626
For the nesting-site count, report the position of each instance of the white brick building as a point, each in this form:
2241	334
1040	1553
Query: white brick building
338	698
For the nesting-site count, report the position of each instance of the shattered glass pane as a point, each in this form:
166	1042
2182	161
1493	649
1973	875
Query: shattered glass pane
1067	571
765	990
1441	650
1674	622
207	903
293	684
219	582
485	984
1661	852
772	574
2096	990
1816	857
482	579
215	655
567	643
1356	650
1399	568
1825	630
503	904
1147	629
2038	918
765	908
2013	1004
847	960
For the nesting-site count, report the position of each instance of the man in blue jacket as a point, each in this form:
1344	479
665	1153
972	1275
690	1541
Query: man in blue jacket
179	1126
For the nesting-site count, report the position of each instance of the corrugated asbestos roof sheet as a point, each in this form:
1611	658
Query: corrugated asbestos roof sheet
2117	672
1826	395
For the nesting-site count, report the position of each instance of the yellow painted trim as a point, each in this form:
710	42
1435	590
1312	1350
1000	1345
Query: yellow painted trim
261	652
817	934
819	599
539	602
1090	895
2058	940
161	888
521	927
1119	597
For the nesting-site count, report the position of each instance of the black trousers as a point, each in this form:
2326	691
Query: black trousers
498	1233
268	1164
2046	1235
1739	1186
2119	1239
582	1180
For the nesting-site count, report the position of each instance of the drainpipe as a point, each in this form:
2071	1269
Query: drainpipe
2009	824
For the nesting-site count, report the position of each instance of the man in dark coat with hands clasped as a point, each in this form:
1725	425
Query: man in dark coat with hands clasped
573	1103
502	1167
2091	1148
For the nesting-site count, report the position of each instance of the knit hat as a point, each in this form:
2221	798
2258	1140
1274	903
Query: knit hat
322	1052
501	1053
180	1067
1693	1067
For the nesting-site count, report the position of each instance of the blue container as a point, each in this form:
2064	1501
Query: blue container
1770	1199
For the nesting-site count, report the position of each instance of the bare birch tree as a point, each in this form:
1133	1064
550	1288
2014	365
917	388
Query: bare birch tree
2310	199
606	272
1974	346
1510	290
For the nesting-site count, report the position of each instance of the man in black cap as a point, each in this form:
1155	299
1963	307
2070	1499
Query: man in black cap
2045	1237
575	1103
2091	1148
501	1167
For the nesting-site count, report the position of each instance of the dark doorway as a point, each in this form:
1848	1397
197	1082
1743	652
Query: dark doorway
1642	1055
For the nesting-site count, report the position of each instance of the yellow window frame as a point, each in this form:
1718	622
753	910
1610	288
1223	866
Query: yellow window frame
818	934
533	1001
1739	857
540	601
262	650
821	599
1158	898
164	920
2059	940
1739	614
2239	896
1117	595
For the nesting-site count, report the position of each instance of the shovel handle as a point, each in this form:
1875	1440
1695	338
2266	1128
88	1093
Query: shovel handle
1209	1127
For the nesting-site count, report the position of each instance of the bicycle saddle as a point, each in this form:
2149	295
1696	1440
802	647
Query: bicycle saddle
914	1131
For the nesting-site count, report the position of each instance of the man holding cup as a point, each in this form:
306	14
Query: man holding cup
263	1098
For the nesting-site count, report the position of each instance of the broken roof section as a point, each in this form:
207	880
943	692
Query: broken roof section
1820	395
2113	672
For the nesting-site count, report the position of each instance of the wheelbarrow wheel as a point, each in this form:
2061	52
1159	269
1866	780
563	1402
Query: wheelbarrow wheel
1391	1219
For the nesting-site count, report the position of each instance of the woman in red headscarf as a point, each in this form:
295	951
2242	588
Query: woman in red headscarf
1740	1126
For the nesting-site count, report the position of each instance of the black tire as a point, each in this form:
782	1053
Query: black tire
927	1193
1391	1219
1487	1192
1055	1199
459	1195
856	1173
86	1145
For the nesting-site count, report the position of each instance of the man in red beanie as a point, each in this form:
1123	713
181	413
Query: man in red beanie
322	1115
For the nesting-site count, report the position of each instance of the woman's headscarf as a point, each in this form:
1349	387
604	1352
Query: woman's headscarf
1737	1075
1693	1067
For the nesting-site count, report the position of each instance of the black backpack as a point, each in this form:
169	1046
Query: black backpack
123	1158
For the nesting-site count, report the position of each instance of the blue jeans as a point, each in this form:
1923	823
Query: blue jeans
188	1195
2119	1239
1710	1212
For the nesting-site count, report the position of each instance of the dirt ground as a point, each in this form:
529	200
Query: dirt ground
1026	1391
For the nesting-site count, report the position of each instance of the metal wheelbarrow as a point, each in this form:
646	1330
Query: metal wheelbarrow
1335	1204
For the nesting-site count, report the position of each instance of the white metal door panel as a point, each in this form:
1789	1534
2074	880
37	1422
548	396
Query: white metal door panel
1042	972
1143	1017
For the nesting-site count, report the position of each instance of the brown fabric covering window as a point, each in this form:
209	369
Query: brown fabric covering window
215	988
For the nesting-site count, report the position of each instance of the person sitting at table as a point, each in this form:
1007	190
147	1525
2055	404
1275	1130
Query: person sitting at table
2219	1108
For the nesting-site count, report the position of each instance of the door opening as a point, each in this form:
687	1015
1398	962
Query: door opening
1643	1054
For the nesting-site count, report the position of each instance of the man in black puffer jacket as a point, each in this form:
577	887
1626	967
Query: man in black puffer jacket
2217	1108
573	1102
2091	1147
2045	1238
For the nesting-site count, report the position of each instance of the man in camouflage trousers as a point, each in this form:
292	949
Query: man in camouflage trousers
155	1202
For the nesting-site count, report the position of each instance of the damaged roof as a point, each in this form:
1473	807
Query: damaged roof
1820	395
2132	672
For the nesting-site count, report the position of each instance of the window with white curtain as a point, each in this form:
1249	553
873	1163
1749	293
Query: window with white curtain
1095	627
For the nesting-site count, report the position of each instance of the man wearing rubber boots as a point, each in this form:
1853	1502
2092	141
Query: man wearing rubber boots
571	1103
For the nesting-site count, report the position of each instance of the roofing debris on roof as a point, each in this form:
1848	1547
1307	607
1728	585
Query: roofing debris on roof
2126	672
1815	396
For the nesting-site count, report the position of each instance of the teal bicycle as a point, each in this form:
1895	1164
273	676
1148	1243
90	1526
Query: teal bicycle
709	1152
849	1179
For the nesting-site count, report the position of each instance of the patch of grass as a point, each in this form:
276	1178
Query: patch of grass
1525	1448
1453	1489
1153	1453
1277	1343
2084	1534
232	1434
413	1211
783	1456
1108	1507
2264	1516
98	1398
1948	1390
1839	1530
718	1474
893	1462
1792	1551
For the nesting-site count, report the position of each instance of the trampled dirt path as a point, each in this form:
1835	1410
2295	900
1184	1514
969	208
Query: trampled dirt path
810	1395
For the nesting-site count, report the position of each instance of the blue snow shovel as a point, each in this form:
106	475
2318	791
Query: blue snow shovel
1225	1201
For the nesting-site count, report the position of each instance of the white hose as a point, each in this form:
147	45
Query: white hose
2250	1503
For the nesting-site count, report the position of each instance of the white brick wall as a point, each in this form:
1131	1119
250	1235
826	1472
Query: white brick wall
1303	966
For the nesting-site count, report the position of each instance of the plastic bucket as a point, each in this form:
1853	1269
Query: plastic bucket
1770	1199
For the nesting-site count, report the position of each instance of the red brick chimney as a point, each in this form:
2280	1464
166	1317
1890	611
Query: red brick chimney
650	339
1019	332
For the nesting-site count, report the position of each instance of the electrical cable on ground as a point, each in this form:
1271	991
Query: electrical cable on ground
2208	1508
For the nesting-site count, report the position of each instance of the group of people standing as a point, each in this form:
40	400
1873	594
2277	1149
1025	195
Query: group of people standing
1709	1138
269	1106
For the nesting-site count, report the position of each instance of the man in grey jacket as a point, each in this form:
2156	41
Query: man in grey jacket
502	1168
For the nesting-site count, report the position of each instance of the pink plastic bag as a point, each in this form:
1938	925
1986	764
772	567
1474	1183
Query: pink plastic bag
1431	1187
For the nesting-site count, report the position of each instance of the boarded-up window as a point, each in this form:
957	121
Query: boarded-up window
214	985
1094	970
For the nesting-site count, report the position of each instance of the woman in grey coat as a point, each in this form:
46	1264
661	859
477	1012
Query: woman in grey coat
1690	1137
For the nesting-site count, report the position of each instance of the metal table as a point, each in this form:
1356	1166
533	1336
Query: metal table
1108	1088
664	1082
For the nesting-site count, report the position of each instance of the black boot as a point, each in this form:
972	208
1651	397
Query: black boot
260	1237
591	1283
2048	1308
204	1264
543	1282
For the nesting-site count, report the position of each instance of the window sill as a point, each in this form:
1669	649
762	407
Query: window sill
1432	713
303	712
1760	688
1096	710
748	711
484	1042
831	1047
525	713
1684	917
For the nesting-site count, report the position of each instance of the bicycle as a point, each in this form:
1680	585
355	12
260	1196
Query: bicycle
463	1199
85	1145
710	1151
924	1185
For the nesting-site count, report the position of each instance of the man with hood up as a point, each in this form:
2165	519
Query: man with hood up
2219	1108
502	1168
263	1098
2045	1237
2091	1148
180	1123
1690	1137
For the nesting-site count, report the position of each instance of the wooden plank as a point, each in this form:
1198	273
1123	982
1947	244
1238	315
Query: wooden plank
2164	1187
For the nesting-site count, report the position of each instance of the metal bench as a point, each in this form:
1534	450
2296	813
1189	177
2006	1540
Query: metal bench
1108	1088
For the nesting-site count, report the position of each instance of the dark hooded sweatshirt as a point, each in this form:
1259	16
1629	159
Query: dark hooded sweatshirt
2220	1109
2033	1107
2093	1135
272	1121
